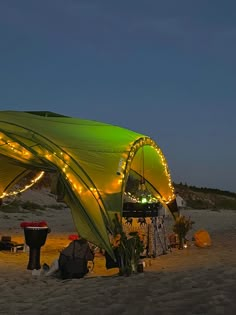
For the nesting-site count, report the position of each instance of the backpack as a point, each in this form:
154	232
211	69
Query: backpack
73	266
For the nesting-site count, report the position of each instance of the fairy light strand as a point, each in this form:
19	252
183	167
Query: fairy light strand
149	141
16	192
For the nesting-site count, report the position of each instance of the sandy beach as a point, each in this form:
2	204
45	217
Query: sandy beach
190	281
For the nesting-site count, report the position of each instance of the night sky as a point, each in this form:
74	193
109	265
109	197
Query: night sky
166	69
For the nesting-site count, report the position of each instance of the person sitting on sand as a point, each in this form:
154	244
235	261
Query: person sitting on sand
73	260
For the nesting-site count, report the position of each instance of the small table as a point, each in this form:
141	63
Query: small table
16	247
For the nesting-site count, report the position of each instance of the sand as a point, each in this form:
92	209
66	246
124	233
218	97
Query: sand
190	281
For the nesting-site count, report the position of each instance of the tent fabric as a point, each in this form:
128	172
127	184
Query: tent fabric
92	161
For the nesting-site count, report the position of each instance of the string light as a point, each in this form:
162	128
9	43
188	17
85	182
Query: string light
148	198
61	159
123	166
9	145
16	192
149	141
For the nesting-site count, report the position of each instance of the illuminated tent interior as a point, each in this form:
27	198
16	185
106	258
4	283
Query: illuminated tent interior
91	160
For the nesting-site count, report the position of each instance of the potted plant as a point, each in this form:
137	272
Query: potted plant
181	227
127	249
35	237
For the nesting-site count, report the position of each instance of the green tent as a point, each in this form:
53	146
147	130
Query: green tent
91	160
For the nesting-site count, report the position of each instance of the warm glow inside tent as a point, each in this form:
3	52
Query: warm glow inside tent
91	160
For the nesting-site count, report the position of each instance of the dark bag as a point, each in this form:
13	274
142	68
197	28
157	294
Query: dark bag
72	266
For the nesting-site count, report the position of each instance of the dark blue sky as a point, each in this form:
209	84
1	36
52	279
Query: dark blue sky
163	68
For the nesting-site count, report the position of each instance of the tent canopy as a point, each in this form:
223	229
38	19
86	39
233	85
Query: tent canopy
92	161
